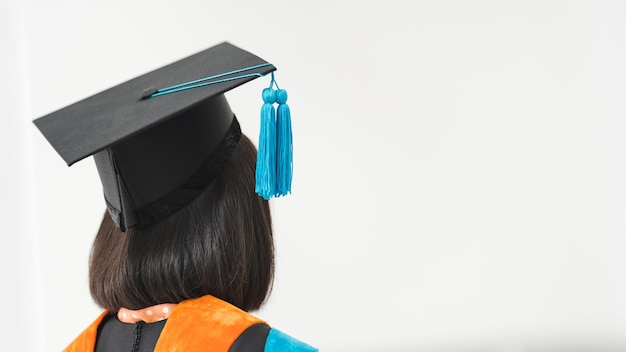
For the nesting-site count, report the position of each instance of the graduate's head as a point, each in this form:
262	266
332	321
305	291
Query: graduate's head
219	244
178	179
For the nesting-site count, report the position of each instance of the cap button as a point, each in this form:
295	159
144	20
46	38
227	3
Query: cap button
148	93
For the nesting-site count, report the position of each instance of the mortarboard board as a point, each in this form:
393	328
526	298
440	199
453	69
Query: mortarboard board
155	152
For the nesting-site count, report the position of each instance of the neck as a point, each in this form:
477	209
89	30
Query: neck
149	315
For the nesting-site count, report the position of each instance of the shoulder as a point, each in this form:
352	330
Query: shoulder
263	338
220	326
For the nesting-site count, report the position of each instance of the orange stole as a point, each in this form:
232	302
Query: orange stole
203	324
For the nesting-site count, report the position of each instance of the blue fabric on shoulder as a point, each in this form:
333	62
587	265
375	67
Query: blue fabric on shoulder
278	341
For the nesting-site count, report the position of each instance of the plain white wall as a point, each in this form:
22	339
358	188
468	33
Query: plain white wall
459	176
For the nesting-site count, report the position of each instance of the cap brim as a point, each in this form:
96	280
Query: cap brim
102	120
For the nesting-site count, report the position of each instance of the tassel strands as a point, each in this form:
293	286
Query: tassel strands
284	144
266	157
275	157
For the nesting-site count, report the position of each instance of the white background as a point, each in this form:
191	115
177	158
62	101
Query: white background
460	166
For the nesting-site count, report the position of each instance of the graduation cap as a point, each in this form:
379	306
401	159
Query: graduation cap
158	140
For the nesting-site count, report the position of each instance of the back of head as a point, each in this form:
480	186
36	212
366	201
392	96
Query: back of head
219	244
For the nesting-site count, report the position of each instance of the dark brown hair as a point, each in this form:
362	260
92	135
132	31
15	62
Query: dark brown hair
220	244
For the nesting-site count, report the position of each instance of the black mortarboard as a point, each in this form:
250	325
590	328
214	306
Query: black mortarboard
155	153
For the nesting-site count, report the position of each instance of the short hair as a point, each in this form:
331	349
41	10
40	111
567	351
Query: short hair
221	244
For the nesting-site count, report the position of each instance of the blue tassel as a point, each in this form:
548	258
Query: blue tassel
266	159
284	145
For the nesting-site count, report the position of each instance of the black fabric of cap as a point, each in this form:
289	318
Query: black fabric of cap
95	123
